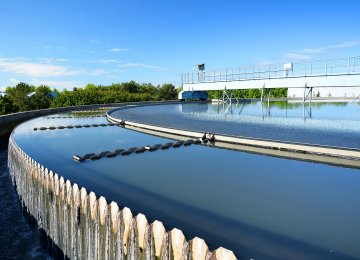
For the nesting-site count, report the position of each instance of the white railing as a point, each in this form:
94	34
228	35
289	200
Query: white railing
314	68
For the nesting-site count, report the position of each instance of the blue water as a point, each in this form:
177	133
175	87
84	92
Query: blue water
331	124
258	206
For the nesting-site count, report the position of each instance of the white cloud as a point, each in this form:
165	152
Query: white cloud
52	60
106	61
14	81
141	65
309	53
51	47
58	84
34	69
119	50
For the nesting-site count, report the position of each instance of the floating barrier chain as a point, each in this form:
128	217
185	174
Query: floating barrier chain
75	126
137	150
57	117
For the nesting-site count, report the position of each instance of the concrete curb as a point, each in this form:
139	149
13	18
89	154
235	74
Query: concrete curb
338	152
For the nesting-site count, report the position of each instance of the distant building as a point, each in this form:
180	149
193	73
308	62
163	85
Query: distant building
52	94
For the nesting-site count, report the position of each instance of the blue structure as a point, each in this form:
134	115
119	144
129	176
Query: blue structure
184	95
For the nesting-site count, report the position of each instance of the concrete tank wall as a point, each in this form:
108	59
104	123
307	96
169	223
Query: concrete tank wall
85	226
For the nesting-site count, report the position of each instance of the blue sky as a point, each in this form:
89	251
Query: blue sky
72	43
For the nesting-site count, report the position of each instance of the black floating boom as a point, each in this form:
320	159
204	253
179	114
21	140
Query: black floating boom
136	150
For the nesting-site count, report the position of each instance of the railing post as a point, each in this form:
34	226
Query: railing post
325	67
349	65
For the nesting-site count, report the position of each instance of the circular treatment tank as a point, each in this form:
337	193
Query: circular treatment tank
255	205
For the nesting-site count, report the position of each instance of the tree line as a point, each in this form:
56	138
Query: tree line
250	93
24	97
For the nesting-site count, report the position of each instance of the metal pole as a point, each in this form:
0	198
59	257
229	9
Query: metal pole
326	68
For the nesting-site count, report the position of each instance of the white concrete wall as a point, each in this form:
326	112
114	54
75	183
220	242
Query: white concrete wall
349	92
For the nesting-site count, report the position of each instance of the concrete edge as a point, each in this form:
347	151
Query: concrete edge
344	154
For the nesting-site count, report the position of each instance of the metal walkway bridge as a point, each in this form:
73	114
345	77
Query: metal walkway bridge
339	72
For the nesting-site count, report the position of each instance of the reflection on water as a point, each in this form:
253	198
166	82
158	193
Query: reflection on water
287	109
332	124
258	206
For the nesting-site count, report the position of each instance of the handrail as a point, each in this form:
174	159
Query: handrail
309	68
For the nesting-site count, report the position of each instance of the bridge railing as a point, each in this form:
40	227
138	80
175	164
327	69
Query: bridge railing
329	67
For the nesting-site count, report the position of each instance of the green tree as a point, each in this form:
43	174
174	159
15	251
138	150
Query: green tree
131	87
7	106
42	98
167	92
20	95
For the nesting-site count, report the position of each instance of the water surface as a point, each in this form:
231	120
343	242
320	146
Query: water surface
258	206
327	123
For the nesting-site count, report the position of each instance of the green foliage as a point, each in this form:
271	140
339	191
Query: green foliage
41	99
7	106
19	95
115	93
249	93
167	92
24	97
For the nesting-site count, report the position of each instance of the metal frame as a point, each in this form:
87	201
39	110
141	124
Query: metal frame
314	68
